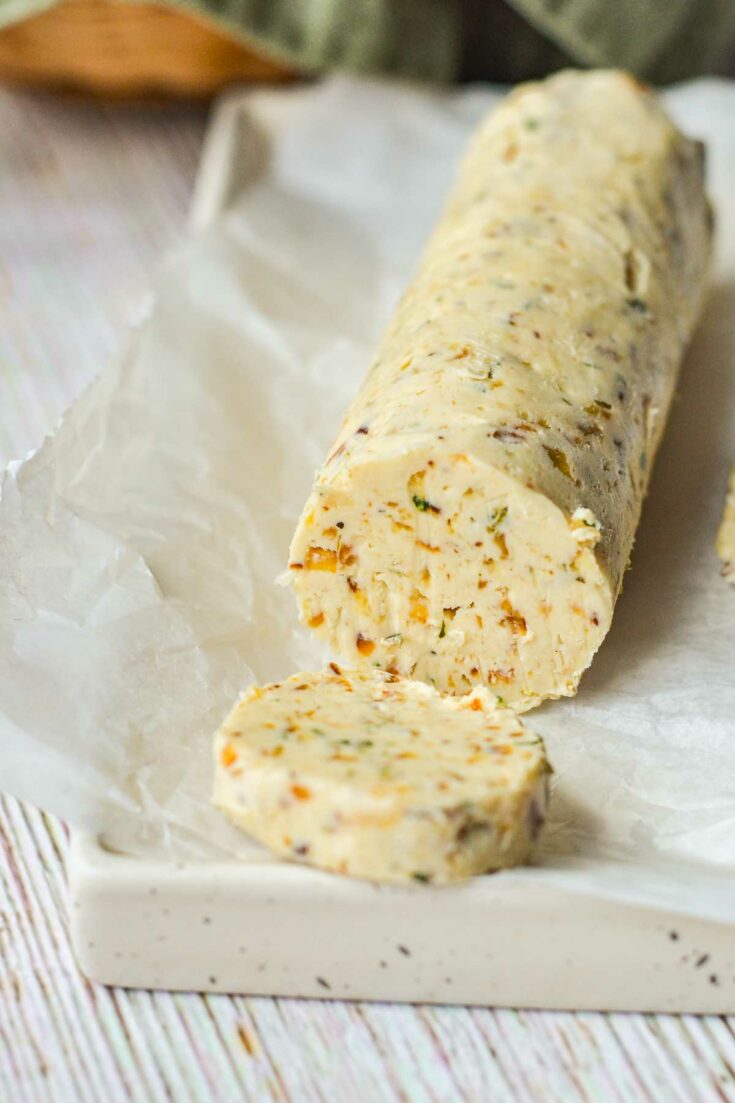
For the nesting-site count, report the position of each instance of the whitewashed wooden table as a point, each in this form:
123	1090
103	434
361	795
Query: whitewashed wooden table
90	197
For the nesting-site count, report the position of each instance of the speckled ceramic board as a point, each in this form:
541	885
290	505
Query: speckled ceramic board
270	928
262	926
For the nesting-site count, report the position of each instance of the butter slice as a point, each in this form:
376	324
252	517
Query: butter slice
375	776
726	535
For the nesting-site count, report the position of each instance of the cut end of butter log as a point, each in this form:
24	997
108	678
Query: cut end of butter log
378	777
726	535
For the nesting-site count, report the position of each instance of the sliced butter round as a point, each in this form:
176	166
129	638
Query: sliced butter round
374	776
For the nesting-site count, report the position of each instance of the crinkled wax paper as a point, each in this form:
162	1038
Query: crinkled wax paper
139	546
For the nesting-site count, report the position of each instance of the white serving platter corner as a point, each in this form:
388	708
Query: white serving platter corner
264	927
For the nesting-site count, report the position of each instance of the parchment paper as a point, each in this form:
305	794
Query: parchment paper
139	545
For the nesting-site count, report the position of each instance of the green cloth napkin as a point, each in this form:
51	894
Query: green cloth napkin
501	40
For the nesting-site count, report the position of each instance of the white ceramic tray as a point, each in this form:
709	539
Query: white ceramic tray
269	928
266	927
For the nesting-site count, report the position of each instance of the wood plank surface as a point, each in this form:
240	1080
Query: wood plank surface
90	197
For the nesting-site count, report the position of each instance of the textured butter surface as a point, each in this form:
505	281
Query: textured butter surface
371	775
726	535
477	511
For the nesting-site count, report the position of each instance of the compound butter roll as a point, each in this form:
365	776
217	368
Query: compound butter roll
473	521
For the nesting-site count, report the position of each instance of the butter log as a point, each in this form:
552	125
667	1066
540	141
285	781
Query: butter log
473	521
